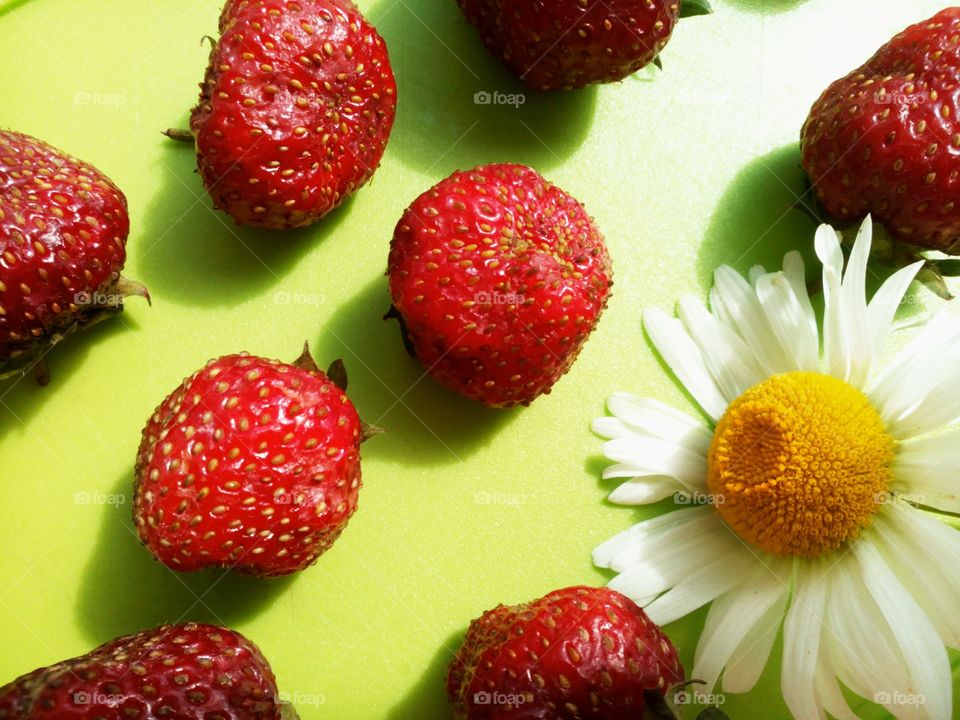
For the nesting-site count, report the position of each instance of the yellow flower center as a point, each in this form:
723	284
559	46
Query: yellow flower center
798	463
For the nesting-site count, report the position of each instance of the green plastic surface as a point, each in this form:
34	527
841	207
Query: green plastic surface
462	507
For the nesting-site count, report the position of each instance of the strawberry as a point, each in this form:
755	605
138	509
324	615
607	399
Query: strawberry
571	43
498	277
295	110
576	653
63	234
182	672
885	139
250	464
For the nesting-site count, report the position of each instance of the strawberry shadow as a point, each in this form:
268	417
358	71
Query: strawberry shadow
765	7
191	254
459	106
125	590
22	395
425	422
427	699
756	223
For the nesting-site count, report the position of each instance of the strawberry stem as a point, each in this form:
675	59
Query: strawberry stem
179	135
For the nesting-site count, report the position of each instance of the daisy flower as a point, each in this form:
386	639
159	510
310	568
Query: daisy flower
809	497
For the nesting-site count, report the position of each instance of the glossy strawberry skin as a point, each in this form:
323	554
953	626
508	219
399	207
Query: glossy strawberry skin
886	138
576	653
499	278
63	233
180	672
568	44
295	110
251	464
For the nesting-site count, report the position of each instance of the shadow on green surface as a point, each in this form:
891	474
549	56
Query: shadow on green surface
442	72
428	698
765	6
125	590
21	396
425	423
191	254
754	222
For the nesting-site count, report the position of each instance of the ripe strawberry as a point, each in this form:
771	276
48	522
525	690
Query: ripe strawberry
576	653
182	672
63	231
498	277
885	139
295	110
572	43
250	464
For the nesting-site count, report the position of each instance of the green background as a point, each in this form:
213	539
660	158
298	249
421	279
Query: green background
462	507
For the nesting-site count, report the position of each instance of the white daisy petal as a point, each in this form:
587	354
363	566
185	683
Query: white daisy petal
756	272
905	536
938	408
682	355
857	337
905	385
650	456
654	418
735	615
796	273
917	639
856	630
828	689
644	546
742	307
834	345
707	580
750	657
883	306
801	642
927	471
685	521
727	357
788	321
646	490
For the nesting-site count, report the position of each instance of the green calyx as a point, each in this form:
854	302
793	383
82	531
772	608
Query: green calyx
692	8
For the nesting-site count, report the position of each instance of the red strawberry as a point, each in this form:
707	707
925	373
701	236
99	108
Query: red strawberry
295	110
498	278
181	672
250	464
886	138
572	43
576	653
63	231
